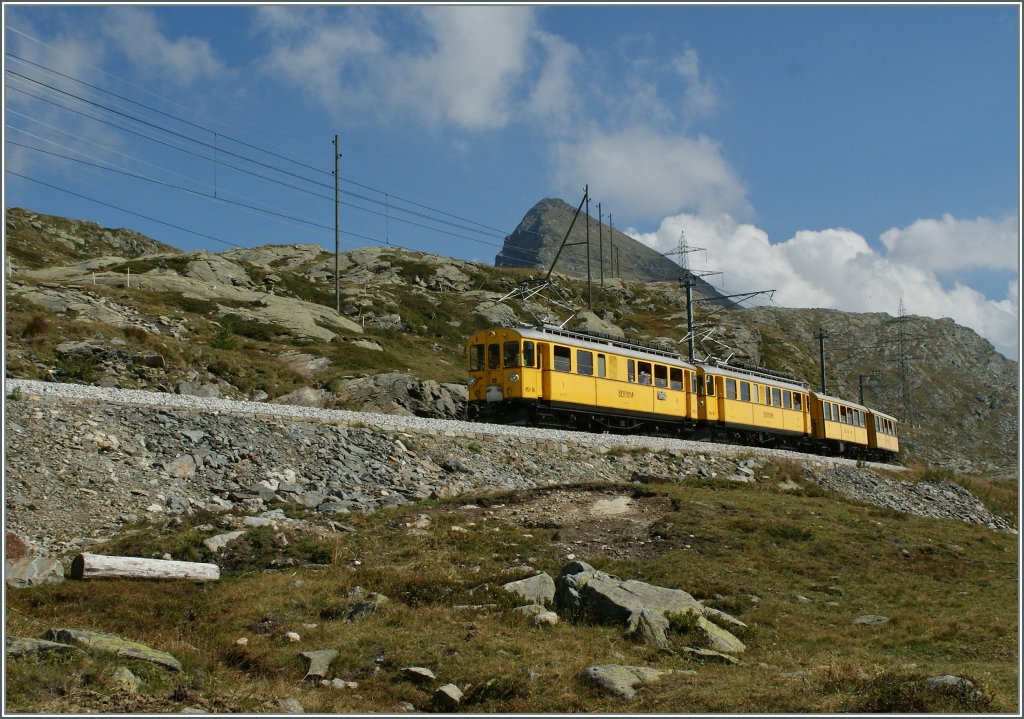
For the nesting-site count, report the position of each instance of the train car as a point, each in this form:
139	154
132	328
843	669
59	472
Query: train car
747	406
883	441
548	376
839	427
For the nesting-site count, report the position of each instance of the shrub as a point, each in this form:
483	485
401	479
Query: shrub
224	339
36	326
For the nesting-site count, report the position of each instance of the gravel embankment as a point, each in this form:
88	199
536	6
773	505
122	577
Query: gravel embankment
82	461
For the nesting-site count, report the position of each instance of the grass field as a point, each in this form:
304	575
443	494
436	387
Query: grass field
797	569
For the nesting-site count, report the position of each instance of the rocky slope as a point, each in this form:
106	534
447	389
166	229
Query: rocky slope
83	462
111	308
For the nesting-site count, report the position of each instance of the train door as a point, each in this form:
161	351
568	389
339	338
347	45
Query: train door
708	398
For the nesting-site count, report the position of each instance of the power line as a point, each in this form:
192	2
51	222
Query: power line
233	139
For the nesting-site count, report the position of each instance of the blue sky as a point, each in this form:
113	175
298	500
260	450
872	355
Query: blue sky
844	156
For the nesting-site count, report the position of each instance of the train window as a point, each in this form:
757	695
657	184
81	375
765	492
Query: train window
493	356
730	389
563	359
776	397
745	391
512	353
753	394
661	375
842	415
529	359
631	370
584	362
476	358
710	385
768	396
600	366
787	399
826	409
798	401
694	385
645	372
675	378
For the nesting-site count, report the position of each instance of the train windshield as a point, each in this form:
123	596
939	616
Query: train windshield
512	353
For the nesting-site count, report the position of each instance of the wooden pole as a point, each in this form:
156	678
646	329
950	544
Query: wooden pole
95	566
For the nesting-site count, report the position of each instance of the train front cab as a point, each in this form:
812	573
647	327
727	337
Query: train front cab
840	427
752	408
504	376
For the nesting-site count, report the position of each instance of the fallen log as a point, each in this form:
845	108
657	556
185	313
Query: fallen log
95	566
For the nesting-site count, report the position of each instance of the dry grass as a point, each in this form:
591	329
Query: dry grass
949	590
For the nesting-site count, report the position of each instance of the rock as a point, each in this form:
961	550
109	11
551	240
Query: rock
15	547
719	639
650	628
871	619
419	674
619	680
18	647
290	705
545	619
582	589
219	541
31	571
369	606
447	697
711	654
303	397
113	644
539	588
949	683
124	678
319	662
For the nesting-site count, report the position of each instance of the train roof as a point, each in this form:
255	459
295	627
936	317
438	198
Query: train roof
761	375
597	341
840	400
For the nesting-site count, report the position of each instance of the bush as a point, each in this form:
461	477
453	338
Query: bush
36	326
224	339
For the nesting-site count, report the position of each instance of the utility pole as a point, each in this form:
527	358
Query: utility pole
821	355
902	342
600	242
590	303
611	240
337	244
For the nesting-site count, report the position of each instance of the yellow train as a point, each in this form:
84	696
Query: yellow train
550	377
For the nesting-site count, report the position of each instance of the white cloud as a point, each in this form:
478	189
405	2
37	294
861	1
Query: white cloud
136	32
468	67
479	56
836	269
651	172
700	97
553	97
953	244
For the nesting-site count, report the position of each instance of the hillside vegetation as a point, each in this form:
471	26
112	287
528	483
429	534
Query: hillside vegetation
797	569
261	323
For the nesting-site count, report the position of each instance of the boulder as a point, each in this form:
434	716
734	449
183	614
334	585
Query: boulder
539	589
113	644
582	589
32	570
619	680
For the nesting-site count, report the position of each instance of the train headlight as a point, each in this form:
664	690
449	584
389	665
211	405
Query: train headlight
513	378
471	381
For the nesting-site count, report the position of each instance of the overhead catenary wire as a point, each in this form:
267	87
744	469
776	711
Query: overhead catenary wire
214	146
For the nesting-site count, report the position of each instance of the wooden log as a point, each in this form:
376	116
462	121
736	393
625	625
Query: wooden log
93	566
